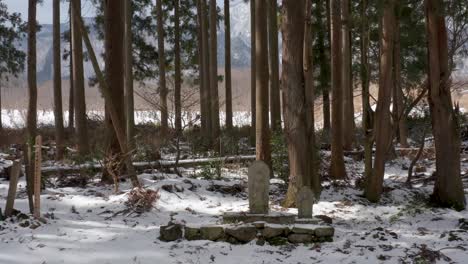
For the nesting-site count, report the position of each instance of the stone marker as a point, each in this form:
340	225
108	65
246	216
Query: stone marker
259	183
305	201
15	172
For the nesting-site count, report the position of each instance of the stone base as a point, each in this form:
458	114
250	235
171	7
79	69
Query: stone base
274	234
282	219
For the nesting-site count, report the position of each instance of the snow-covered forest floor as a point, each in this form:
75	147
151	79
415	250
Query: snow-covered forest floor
91	225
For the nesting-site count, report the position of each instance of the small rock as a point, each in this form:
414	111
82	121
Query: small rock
324	231
34	225
192	233
270	231
463	223
21	216
178	188
212	233
300	238
168	188
24	223
278	241
170	232
325	219
242	233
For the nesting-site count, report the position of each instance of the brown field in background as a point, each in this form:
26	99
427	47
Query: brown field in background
16	97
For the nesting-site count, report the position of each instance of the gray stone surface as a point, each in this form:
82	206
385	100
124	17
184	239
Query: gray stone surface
242	233
324	231
300	238
283	219
305	201
192	233
212	233
259	183
271	231
303	229
170	232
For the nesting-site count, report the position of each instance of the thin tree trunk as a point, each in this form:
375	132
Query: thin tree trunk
262	134
398	105
71	92
214	75
324	78
275	102
337	167
162	70
129	98
448	188
348	97
311	179
366	110
252	70
79	87
382	128
201	70
227	63
178	81
326	92
32	102
58	110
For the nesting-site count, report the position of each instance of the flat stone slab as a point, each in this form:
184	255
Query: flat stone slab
283	219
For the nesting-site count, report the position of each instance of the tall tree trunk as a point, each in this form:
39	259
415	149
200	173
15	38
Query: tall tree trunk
32	102
311	179
58	110
119	126
227	63
214	75
162	70
71	92
366	110
252	70
326	92
114	57
382	128
324	78
129	98
348	97
201	70
297	108
337	167
398	105
275	102
205	69
448	188
177	77
79	87
262	134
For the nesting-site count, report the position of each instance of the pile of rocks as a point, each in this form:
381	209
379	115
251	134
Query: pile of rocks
274	234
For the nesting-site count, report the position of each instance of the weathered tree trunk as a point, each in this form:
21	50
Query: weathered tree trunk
347	86
296	103
162	70
215	129
205	62
382	128
366	110
79	87
252	71
71	92
263	150
177	70
227	63
337	167
31	125
398	105
58	110
114	58
129	98
275	102
448	188
326	92
311	179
